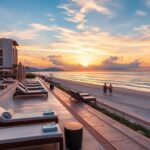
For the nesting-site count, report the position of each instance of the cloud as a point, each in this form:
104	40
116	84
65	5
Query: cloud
112	63
33	61
56	60
73	15
141	13
32	32
59	61
40	27
102	43
111	60
93	42
77	10
51	17
148	2
144	30
97	5
28	34
55	28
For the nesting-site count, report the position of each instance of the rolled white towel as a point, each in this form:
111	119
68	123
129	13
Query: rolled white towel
49	127
6	115
43	90
48	113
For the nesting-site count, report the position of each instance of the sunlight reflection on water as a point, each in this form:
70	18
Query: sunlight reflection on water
131	80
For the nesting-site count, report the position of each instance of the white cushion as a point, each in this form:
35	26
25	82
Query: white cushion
21	89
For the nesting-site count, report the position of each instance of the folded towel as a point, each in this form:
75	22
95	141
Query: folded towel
6	115
48	113
43	90
49	127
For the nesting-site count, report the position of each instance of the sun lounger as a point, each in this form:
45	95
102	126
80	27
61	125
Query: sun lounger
31	84
9	80
88	99
3	86
24	92
29	135
10	118
31	81
85	97
73	94
30	88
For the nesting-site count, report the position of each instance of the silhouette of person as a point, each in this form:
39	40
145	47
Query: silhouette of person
110	88
104	88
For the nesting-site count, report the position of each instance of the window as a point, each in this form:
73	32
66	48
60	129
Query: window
1	52
1	61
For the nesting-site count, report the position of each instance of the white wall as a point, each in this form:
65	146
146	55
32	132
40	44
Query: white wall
9	58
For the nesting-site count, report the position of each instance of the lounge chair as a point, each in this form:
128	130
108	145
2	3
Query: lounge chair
8	80
31	81
3	85
29	135
24	92
73	94
11	80
84	98
30	88
10	118
31	84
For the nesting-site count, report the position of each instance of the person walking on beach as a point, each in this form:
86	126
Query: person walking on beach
104	88
110	89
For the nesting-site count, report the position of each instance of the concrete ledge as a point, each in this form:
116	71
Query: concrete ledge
124	115
135	136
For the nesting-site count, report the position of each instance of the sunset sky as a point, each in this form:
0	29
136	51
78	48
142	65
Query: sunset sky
78	34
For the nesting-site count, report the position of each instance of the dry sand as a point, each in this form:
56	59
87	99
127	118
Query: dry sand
132	102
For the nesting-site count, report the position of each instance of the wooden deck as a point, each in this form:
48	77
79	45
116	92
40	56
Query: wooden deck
108	132
100	131
39	104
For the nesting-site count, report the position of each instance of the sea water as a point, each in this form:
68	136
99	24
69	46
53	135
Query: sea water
132	80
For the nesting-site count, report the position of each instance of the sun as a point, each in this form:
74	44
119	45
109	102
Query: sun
85	64
85	61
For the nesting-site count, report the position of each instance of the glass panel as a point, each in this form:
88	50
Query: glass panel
1	61
1	52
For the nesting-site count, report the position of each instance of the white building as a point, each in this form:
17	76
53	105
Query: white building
8	53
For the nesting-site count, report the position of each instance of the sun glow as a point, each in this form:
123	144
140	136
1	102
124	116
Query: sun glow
85	60
85	64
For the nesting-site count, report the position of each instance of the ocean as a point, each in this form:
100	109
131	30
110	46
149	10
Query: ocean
131	80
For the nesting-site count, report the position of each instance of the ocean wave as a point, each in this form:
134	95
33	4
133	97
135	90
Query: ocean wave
131	80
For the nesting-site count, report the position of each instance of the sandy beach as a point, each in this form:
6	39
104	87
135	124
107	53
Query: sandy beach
130	101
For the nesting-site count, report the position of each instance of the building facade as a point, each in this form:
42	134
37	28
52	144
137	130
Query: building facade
8	53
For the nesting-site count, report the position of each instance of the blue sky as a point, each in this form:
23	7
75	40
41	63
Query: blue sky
29	11
66	28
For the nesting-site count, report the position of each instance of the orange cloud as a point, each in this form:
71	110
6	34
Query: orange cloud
35	61
93	44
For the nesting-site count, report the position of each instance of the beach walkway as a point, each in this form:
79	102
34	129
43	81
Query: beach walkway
129	102
107	131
